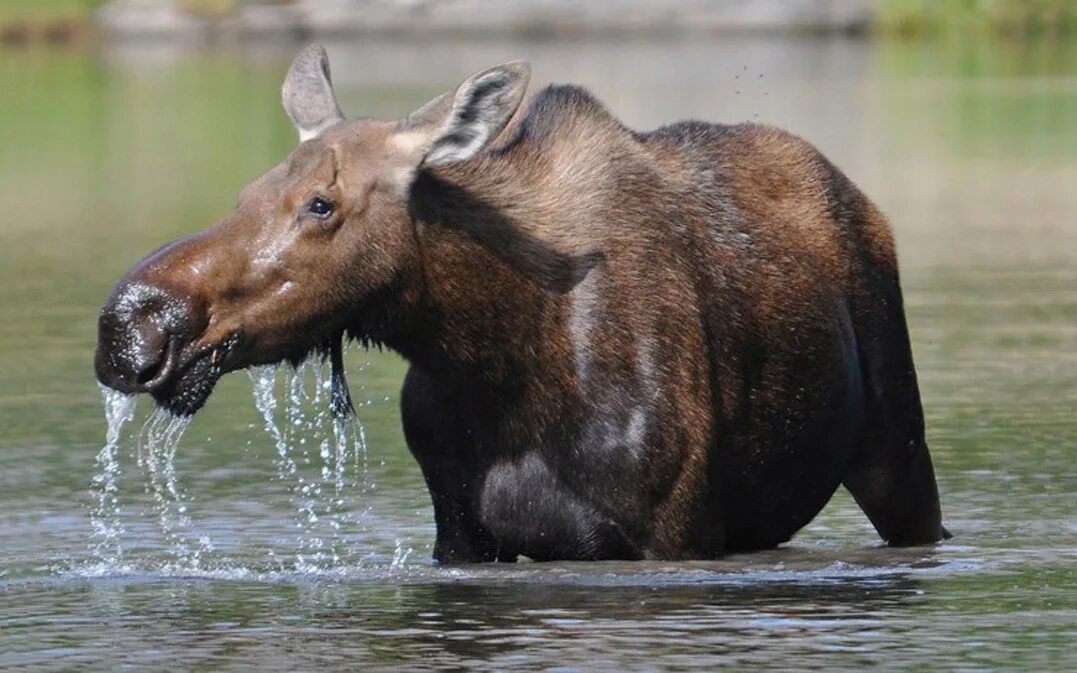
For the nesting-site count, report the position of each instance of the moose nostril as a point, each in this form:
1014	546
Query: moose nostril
136	337
150	369
148	351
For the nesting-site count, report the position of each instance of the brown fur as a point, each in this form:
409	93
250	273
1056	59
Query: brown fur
664	344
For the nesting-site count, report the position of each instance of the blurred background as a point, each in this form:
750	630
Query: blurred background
129	123
57	21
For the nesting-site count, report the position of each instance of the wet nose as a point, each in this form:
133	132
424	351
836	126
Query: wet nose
136	335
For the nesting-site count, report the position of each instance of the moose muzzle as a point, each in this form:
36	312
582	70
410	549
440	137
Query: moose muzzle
138	332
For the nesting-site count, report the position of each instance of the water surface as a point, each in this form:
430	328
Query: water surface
970	148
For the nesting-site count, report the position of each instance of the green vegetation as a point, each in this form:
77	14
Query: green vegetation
38	11
1026	18
1000	17
33	11
221	7
60	21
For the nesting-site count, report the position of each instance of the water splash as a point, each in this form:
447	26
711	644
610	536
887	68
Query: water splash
400	555
105	515
323	483
320	460
157	444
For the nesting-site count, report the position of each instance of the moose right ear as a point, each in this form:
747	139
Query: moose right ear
308	95
462	122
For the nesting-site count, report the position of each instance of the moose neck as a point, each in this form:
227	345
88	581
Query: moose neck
493	294
506	236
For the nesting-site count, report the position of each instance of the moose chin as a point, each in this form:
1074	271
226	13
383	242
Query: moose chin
670	344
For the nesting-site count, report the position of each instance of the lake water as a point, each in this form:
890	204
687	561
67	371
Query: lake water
971	149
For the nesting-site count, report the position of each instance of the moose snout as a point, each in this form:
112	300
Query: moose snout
138	331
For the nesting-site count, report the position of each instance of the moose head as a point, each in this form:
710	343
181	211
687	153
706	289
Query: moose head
322	245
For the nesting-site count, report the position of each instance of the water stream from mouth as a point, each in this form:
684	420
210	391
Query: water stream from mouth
105	514
320	460
157	444
320	455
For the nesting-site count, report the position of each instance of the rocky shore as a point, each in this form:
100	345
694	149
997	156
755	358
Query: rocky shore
155	19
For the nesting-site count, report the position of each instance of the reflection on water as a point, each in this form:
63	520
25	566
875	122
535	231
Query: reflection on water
569	617
970	148
223	625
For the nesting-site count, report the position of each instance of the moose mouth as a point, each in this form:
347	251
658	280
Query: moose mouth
182	388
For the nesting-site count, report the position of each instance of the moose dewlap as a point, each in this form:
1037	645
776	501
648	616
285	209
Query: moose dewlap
622	344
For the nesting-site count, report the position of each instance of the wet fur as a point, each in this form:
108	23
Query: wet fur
654	345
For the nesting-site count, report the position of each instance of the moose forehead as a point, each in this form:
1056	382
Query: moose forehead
348	148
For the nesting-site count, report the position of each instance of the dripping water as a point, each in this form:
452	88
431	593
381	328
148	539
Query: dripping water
320	459
320	455
156	452
105	515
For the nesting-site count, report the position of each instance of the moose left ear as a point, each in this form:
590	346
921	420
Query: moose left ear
459	124
308	95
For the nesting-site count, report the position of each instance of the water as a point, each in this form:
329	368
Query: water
328	502
105	517
264	535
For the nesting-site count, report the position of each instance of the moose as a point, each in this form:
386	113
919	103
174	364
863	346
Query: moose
672	344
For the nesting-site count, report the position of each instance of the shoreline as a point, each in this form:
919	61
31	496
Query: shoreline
136	20
198	21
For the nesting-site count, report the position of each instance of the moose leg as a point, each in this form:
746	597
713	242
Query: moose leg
439	442
890	474
894	483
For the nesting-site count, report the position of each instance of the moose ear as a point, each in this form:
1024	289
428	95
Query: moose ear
308	95
459	124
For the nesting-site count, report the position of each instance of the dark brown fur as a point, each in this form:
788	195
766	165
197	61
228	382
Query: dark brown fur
623	345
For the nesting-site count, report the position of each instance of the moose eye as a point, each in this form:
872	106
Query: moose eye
320	207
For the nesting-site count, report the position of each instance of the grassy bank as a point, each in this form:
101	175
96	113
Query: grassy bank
46	10
1018	18
52	21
